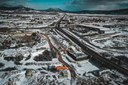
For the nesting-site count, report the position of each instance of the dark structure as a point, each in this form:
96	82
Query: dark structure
76	57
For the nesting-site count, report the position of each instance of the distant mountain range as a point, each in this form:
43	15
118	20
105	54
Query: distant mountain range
54	10
118	11
20	7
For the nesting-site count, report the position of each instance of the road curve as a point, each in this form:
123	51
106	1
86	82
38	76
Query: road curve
94	54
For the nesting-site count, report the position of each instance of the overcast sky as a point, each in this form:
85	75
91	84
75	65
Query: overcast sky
72	5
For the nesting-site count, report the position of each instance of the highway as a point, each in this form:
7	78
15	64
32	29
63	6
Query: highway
94	54
91	52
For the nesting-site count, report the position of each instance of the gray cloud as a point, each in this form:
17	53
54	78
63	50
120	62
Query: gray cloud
12	2
100	4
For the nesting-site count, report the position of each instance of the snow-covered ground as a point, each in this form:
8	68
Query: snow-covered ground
115	36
